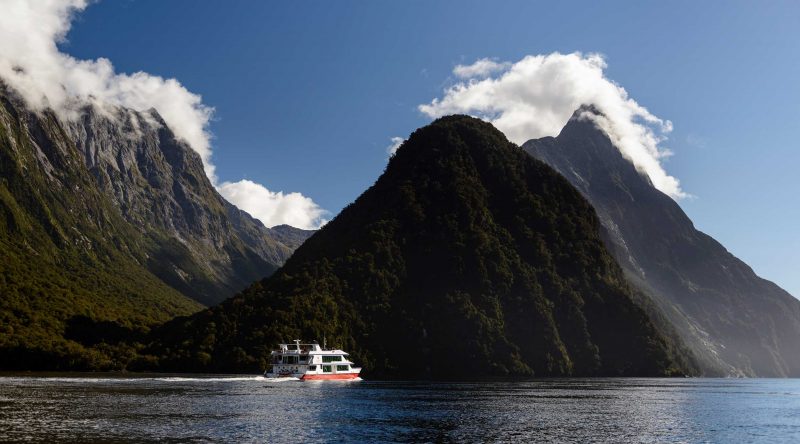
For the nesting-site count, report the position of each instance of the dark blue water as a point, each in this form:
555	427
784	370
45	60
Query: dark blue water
248	409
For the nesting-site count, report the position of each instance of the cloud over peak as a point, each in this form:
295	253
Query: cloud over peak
535	97
32	64
273	208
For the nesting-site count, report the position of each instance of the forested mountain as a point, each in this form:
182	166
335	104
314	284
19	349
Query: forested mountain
735	322
467	258
108	221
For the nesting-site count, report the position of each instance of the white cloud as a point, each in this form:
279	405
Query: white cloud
396	142
536	96
273	208
481	68
31	63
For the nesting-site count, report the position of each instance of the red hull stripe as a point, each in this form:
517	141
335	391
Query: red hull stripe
336	376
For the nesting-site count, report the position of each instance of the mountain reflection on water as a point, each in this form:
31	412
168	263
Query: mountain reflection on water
201	409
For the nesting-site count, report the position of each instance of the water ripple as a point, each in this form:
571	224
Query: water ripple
66	408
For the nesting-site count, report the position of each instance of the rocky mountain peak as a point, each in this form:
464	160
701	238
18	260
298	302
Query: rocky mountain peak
692	279
464	247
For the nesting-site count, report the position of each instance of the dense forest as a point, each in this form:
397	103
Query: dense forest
467	258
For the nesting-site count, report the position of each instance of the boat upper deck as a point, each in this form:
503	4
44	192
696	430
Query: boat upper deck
297	348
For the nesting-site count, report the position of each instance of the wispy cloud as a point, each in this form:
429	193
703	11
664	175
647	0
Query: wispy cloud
32	64
696	141
481	68
534	97
396	142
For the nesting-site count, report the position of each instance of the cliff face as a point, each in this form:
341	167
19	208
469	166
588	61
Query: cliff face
735	322
158	184
467	258
110	219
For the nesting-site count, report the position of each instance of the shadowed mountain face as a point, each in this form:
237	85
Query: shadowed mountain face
467	258
110	219
735	322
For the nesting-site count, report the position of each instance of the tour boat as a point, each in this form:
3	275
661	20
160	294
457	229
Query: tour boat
309	362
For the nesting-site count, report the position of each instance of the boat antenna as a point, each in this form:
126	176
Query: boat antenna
324	343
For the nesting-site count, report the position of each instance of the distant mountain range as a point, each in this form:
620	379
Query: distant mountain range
467	258
110	218
736	323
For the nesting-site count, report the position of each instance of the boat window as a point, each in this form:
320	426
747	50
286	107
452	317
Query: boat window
290	359
331	358
326	368
312	367
342	368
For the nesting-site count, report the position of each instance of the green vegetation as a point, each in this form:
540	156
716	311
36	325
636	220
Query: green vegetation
109	225
71	270
467	258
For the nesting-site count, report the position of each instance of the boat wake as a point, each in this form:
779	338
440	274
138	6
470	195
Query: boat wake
128	379
333	381
277	380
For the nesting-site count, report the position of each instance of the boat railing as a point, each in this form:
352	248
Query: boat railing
292	352
297	348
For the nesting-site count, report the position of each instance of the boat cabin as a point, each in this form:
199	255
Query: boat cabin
297	359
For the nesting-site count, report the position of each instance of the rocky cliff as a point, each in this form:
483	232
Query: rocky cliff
736	323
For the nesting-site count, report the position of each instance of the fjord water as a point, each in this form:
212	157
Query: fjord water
201	409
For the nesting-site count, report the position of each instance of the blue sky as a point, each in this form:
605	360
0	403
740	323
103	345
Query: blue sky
308	94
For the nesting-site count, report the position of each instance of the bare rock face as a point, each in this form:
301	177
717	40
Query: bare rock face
736	323
290	236
196	242
213	249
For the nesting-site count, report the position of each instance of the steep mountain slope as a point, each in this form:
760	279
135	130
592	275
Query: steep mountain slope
467	258
735	322
211	248
110	219
65	251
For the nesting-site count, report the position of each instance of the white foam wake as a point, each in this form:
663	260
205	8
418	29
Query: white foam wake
125	379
